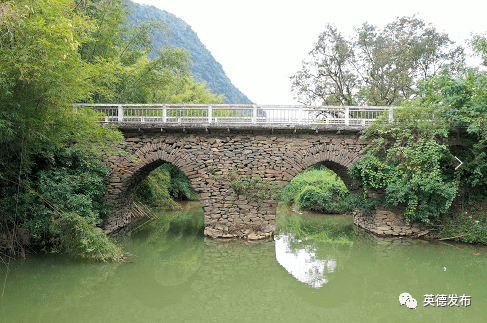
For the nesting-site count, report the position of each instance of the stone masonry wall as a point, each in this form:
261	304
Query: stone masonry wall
206	157
389	222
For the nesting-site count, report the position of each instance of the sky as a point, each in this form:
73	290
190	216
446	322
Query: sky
261	43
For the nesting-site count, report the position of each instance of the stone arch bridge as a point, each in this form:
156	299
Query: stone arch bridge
210	144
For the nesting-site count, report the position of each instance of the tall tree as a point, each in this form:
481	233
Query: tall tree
479	45
327	76
41	72
376	67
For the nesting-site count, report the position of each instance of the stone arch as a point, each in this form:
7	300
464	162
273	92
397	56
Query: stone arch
335	157
129	171
206	158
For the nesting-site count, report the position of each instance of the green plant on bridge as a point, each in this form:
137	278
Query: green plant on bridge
410	163
256	188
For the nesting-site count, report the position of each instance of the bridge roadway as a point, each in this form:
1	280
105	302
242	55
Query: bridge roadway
215	145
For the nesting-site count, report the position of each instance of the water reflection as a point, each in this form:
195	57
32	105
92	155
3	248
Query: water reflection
171	248
312	246
303	263
179	276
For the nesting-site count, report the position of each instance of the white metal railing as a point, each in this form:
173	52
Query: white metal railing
230	114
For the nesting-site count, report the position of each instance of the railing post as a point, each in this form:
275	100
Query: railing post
164	113
120	114
254	114
347	116
300	117
391	114
210	114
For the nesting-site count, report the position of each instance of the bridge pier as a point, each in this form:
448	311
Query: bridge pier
214	158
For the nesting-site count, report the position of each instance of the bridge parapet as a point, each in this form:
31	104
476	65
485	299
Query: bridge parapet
239	114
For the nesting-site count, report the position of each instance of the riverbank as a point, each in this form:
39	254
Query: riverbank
465	222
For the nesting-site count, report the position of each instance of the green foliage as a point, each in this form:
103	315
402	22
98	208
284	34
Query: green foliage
359	200
154	190
316	189
465	229
254	188
312	198
54	53
121	46
479	45
165	183
180	186
410	162
376	67
41	72
185	90
467	220
72	234
64	193
462	100
333	230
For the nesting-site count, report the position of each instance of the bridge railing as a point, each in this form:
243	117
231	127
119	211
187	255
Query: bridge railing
223	114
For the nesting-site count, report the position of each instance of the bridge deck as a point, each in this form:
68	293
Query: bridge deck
221	115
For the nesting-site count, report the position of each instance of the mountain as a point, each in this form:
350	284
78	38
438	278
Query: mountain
205	67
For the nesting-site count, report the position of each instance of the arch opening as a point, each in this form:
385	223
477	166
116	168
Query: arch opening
320	188
149	191
314	235
166	197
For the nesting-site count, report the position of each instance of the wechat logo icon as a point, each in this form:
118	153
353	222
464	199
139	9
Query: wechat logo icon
406	298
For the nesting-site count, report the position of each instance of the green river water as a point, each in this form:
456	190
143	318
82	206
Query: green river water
177	275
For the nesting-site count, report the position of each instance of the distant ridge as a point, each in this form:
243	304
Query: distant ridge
205	67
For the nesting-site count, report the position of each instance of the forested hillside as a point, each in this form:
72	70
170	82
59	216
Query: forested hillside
205	67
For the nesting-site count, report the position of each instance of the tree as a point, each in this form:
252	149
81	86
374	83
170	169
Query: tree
377	67
54	53
327	76
479	45
410	159
120	47
41	73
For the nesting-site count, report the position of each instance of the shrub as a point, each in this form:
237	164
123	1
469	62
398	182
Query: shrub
179	186
72	234
316	189
164	184
59	203
314	199
153	190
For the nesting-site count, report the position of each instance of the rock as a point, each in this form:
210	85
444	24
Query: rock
422	233
254	236
270	228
